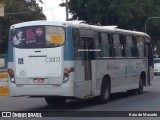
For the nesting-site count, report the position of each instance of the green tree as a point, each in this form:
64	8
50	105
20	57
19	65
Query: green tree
17	11
126	14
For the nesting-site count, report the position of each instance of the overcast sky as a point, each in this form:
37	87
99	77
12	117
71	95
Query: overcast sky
53	11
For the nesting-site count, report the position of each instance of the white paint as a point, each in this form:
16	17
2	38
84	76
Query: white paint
38	66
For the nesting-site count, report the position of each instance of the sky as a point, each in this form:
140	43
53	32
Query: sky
53	11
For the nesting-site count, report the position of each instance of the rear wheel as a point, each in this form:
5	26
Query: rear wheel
105	92
55	100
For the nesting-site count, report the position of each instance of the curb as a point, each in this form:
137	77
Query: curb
3	75
4	90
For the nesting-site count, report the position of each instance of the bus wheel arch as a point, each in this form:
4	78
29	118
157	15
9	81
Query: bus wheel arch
105	89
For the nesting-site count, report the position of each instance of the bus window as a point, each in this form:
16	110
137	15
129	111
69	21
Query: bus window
76	42
129	46
88	47
140	46
97	39
104	45
117	46
37	37
55	36
134	48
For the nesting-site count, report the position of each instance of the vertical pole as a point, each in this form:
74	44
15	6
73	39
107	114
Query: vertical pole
66	10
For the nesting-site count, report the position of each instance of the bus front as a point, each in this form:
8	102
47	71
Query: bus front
36	64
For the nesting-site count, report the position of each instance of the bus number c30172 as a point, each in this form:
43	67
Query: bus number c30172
52	59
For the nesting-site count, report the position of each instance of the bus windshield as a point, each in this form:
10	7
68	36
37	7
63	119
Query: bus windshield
37	37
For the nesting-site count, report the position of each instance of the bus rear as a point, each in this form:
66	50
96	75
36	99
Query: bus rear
36	63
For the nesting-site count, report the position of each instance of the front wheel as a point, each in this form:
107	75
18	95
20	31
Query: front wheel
105	92
55	100
141	84
140	89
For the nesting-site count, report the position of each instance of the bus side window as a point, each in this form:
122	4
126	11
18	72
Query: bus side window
117	46
134	49
104	45
88	47
129	48
96	38
140	46
76	42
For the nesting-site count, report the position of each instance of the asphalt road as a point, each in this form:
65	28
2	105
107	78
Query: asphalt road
148	101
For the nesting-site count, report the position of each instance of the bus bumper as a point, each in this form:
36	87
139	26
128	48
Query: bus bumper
66	89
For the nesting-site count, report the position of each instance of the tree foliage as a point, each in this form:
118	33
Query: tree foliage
126	14
17	11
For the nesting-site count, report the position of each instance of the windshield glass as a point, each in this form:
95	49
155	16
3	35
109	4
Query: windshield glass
156	60
37	37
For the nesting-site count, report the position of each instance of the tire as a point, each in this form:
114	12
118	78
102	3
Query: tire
139	90
57	101
132	92
105	92
141	83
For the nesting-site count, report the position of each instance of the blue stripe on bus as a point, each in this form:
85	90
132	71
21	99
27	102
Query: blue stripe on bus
10	52
68	46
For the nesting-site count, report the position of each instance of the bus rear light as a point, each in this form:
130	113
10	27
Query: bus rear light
67	72
11	75
10	71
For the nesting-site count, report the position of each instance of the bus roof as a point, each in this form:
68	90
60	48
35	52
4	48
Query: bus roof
113	28
40	22
79	25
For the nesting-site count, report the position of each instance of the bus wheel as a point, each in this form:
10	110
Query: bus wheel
55	100
141	84
105	92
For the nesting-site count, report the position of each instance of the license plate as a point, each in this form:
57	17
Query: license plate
38	80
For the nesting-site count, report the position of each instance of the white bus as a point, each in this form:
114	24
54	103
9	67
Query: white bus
61	60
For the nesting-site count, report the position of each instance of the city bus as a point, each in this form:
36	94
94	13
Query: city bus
64	60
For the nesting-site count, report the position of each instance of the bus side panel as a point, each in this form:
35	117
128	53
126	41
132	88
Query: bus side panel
116	69
79	79
124	74
68	45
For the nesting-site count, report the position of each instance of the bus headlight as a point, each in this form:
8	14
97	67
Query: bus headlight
11	75
67	72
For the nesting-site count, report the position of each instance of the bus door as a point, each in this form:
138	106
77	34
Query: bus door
88	57
84	65
150	63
